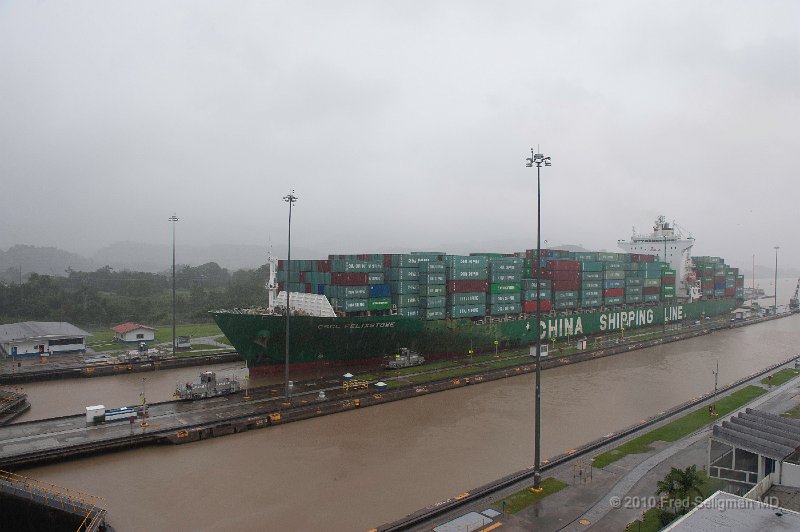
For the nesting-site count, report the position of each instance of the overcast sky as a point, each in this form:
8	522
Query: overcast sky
400	124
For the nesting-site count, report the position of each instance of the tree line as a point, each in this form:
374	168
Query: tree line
107	297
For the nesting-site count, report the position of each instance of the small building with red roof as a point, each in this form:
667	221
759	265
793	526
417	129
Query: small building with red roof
133	332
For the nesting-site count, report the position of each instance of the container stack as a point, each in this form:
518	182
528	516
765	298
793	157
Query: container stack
717	279
432	291
467	284
613	277
591	280
402	274
505	285
356	284
565	275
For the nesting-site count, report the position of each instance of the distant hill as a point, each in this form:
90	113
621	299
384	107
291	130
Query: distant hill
42	260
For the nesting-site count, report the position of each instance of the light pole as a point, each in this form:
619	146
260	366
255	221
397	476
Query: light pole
290	199
714	404
538	159
775	304
173	219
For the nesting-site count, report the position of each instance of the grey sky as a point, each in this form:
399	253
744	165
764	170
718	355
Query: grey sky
399	125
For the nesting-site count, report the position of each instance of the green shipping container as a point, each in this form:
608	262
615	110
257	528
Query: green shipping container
380	303
459	274
432	302
496	299
469	298
466	311
586	256
565	303
405	261
614	265
650	283
650	298
592	276
594	302
591	285
404	287
431	290
614	274
591	294
354	266
411	312
530	295
594	266
466	262
505	308
629	282
352	305
530	284
347	292
432	278
375	277
633	298
433	313
633	290
504	277
562	295
406	300
402	274
503	288
614	300
432	267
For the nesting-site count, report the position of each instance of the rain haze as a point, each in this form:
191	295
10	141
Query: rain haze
400	126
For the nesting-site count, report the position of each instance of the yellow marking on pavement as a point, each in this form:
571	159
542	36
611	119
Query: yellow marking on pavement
491	527
461	496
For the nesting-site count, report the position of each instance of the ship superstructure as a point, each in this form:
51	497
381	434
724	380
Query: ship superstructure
668	243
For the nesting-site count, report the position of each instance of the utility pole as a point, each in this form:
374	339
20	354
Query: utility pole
173	219
290	199
714	404
538	159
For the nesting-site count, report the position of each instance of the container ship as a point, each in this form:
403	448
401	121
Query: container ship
354	309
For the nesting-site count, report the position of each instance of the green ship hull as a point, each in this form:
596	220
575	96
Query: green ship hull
260	338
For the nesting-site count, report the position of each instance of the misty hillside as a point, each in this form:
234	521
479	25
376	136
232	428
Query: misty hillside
43	260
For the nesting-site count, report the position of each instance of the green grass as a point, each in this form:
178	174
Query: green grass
163	334
782	376
794	413
651	522
438	375
680	427
425	367
524	498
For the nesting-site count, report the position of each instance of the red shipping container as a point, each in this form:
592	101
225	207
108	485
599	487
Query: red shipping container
308	289
324	266
562	264
707	284
668	280
730	292
463	287
565	275
651	290
302	277
387	260
530	306
349	279
566	285
739	282
613	292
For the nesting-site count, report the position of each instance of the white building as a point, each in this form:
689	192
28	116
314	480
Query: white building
41	337
133	332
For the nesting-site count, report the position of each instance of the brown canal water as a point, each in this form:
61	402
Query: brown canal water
356	470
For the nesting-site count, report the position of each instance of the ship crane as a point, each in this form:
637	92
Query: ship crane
794	301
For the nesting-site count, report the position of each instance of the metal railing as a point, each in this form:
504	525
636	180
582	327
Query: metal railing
91	507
